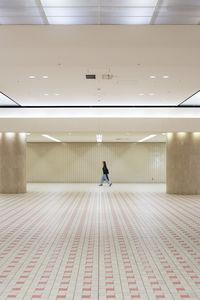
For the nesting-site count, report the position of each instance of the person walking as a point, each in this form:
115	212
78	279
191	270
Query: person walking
105	175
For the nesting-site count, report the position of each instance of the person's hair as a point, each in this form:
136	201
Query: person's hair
104	164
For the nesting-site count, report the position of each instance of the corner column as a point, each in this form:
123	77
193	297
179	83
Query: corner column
12	163
183	163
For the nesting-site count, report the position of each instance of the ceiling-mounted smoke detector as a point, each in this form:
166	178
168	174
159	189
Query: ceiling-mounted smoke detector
107	76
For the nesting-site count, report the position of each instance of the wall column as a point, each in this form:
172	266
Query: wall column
12	163
183	163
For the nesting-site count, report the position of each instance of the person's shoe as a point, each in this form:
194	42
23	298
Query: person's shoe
100	184
110	184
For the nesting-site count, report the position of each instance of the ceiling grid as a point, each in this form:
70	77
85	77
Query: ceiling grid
96	12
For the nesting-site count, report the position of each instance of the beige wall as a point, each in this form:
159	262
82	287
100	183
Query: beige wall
82	162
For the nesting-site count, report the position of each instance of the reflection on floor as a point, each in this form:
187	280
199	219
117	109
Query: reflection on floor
99	244
73	187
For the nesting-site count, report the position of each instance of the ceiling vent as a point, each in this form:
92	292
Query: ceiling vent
121	139
90	76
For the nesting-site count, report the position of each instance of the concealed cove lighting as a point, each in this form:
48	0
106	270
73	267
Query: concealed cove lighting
147	138
6	101
193	100
51	138
196	134
99	138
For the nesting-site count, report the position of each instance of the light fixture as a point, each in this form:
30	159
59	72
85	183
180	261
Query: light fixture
151	94
141	94
147	138
165	76
193	100
31	77
99	138
196	134
28	133
152	76
163	133
46	94
45	76
51	138
6	101
57	94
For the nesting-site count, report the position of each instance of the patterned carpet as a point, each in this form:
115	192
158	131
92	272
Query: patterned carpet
99	245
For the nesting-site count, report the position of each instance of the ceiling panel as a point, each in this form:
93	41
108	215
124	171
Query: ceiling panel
180	3
71	12
22	20
18	3
20	12
105	12
127	11
68	3
130	54
72	20
126	20
177	20
179	12
133	3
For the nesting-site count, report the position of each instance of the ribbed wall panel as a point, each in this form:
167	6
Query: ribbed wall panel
82	162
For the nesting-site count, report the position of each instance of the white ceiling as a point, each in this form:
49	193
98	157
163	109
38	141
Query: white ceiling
91	137
99	12
130	53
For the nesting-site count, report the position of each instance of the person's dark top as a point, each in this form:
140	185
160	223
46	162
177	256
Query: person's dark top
105	170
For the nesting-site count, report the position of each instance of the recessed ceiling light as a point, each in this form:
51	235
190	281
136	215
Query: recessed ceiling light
151	94
141	94
165	76
57	94
45	76
99	138
152	76
28	133
31	77
46	94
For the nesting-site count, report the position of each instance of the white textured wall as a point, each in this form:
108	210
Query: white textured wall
82	162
